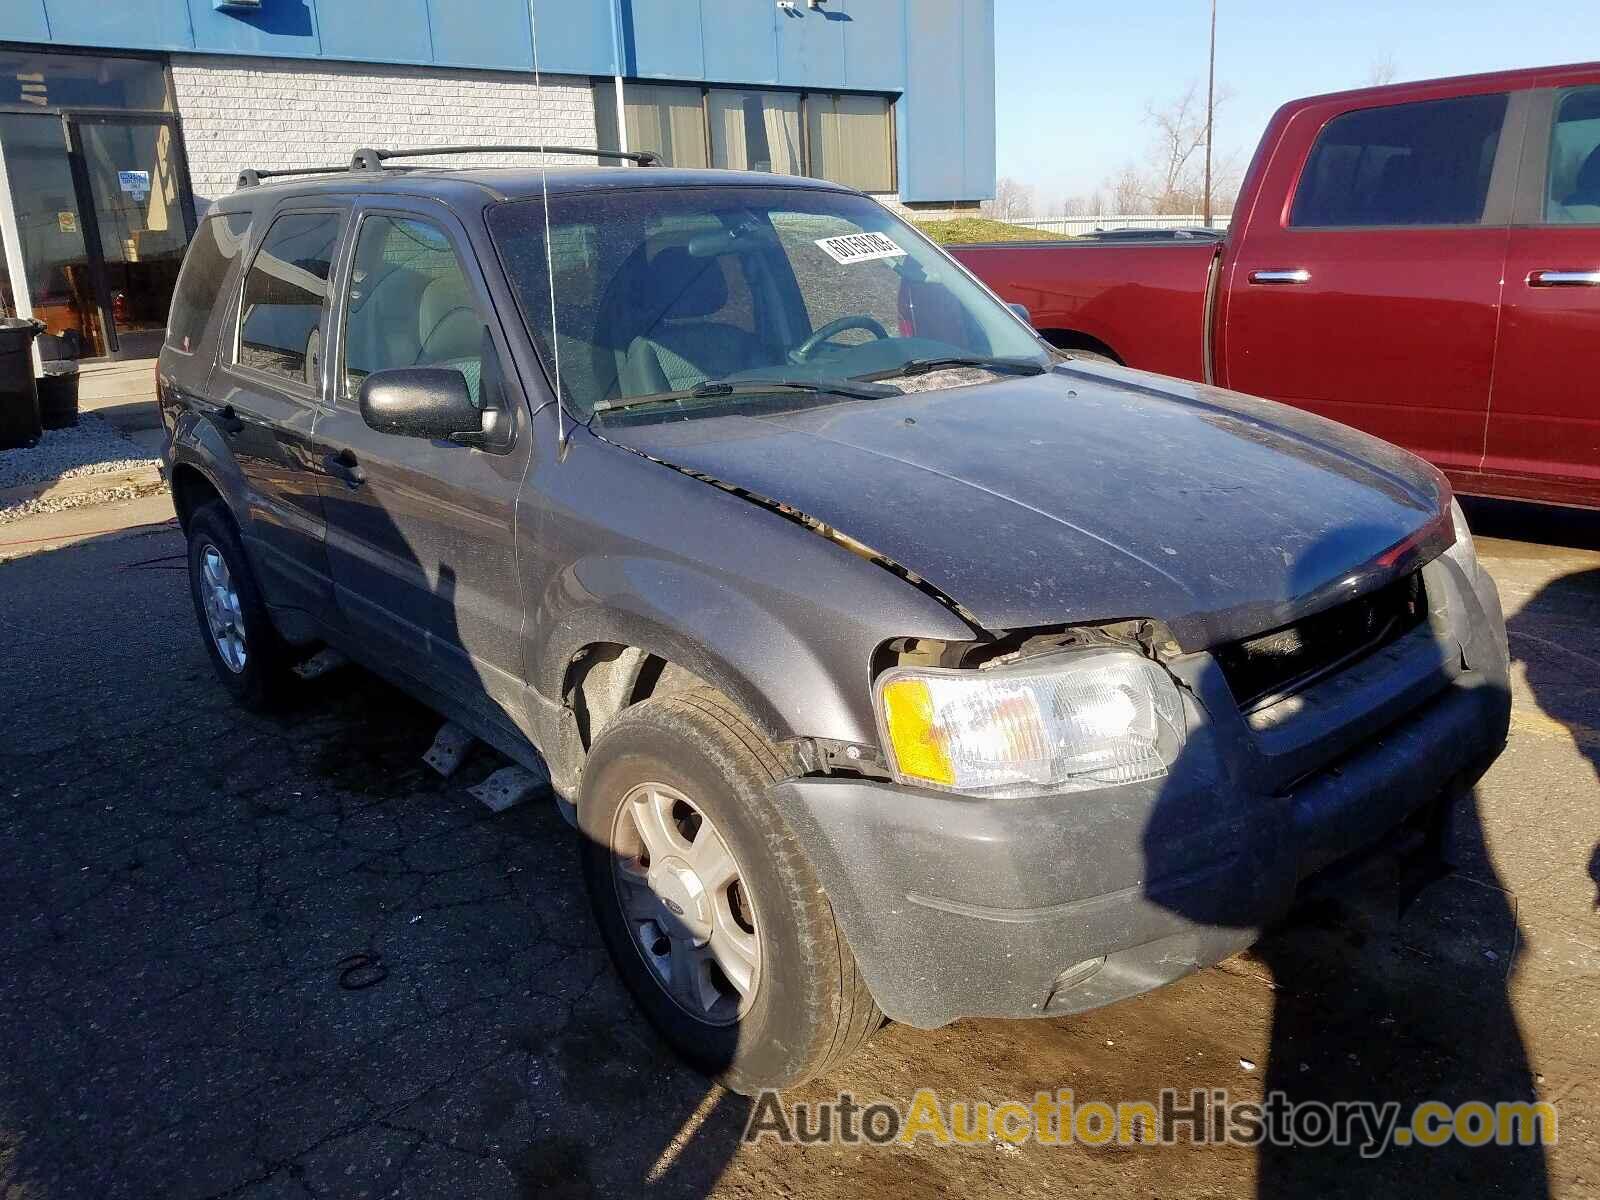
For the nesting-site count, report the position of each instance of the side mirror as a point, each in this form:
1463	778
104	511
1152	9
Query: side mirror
421	402
1022	311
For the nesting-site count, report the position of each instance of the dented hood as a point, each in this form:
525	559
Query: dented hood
1089	493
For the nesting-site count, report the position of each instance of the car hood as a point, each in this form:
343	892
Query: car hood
1089	493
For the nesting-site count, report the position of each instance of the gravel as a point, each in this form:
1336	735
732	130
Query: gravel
92	447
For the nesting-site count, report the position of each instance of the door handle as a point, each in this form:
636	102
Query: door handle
1281	275
228	420
1550	277
345	466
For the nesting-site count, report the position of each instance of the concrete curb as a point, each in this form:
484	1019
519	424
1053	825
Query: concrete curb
138	480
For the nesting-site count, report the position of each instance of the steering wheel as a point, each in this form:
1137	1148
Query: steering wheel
833	329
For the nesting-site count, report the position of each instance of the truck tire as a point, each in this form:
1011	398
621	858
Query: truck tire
710	910
249	657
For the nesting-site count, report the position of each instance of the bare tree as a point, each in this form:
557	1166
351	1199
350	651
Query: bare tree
1013	200
1170	177
1381	70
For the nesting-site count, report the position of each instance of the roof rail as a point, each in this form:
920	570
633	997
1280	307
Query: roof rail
251	176
368	159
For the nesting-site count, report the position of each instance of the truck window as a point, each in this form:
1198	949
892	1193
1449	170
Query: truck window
1405	164
280	316
1572	191
199	289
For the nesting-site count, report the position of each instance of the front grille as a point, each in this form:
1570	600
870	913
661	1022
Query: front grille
1264	669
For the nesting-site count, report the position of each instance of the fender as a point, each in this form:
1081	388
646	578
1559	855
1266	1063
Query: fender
196	443
780	680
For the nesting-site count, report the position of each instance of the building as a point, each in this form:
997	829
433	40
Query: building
120	121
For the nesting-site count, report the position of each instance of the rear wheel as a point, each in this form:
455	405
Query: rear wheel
712	914
246	652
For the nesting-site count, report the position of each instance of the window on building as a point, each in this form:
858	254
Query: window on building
1572	192
29	80
669	120
199	289
845	138
852	141
1404	164
410	304
280	315
755	131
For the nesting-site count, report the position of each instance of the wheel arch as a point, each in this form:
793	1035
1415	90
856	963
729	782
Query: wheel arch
1075	339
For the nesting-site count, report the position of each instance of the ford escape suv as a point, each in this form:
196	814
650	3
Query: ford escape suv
888	662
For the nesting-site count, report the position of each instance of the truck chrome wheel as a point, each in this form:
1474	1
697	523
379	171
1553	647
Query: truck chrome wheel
223	616
681	892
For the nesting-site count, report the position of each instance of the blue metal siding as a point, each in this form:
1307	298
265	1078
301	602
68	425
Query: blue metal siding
159	24
24	21
740	40
874	45
661	39
282	29
573	38
395	30
935	56
811	47
484	33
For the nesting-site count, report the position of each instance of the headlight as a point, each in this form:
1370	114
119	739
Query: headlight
1061	723
1465	551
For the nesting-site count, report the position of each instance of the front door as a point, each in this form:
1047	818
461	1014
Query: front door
1544	415
1373	296
133	197
420	533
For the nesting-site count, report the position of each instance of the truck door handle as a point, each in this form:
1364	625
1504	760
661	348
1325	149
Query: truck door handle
1550	277
228	421
345	466
1281	275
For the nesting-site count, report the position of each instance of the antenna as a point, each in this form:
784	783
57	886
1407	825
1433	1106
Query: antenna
549	253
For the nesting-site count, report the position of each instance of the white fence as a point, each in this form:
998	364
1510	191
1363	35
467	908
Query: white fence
1073	226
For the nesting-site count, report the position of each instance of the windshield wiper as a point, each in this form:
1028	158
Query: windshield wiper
743	387
921	366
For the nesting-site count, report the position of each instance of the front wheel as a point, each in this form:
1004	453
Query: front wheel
712	914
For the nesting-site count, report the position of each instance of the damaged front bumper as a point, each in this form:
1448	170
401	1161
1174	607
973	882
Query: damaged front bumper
961	907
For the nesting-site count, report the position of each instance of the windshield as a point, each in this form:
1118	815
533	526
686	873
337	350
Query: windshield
660	292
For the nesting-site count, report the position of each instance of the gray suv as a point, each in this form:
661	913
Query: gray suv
889	662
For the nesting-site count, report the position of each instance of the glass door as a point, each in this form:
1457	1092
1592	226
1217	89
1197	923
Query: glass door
133	193
50	227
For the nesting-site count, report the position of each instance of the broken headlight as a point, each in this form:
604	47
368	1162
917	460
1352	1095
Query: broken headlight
1058	723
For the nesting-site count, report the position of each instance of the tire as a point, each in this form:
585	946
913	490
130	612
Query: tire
807	1007
259	678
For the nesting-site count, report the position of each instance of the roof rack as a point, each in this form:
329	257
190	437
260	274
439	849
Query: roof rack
370	159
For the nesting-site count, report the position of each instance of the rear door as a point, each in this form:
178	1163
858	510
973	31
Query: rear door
1372	294
267	394
421	533
1544	415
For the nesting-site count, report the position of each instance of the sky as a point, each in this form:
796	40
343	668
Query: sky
1074	78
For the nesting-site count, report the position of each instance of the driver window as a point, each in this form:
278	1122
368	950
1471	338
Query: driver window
409	305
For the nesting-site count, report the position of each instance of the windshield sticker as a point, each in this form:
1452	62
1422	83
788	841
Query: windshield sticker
860	247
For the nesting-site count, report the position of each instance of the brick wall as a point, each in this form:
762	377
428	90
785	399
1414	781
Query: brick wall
250	112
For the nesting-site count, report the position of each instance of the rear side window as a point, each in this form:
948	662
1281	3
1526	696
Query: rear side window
1405	164
1572	190
280	315
199	290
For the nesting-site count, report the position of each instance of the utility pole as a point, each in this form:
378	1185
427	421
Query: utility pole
1211	106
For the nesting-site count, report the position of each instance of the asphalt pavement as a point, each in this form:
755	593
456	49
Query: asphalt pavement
279	958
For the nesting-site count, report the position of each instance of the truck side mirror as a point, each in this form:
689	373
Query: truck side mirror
1022	311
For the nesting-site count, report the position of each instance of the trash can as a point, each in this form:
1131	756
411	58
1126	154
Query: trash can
58	395
19	393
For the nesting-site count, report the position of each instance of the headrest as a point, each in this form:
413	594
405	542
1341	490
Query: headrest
447	326
1586	188
680	285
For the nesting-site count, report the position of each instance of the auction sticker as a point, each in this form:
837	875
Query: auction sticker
860	247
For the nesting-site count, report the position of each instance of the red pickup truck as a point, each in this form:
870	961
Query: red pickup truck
1421	261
